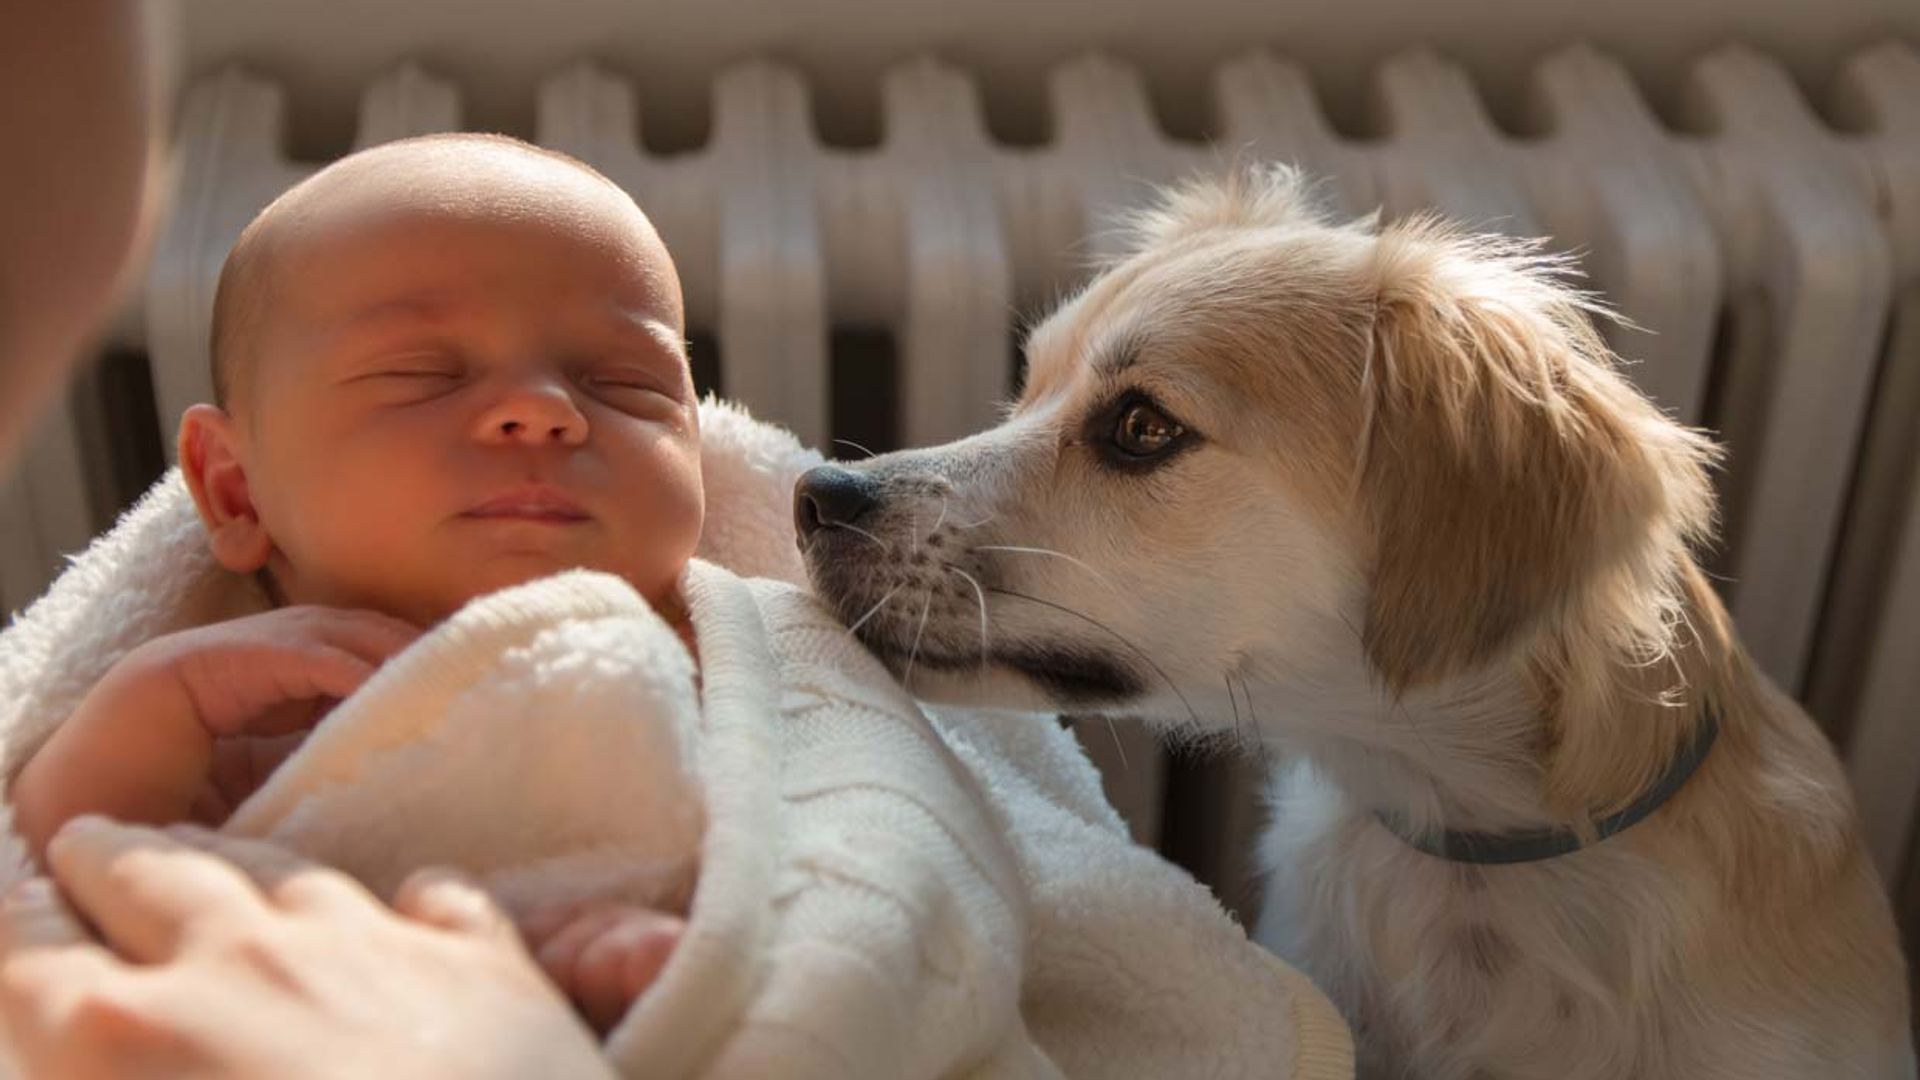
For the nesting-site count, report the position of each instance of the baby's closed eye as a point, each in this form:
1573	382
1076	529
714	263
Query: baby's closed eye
413	375
639	389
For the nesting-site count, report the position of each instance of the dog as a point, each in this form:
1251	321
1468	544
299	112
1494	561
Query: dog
1378	497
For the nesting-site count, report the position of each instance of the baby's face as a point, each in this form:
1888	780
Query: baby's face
456	393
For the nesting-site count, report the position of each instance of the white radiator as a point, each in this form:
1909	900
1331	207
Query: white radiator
1774	260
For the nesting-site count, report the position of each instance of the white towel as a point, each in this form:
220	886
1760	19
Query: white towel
880	893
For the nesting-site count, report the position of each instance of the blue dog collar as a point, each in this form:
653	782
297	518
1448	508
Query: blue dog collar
1533	845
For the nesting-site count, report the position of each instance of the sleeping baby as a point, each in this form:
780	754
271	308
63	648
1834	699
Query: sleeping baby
443	367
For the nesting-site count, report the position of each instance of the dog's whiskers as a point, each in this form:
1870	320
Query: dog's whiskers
856	446
1250	737
1247	689
874	610
926	607
1119	748
1116	635
981	597
884	546
1019	550
965	526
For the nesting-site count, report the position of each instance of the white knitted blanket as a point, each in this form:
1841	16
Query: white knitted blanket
880	892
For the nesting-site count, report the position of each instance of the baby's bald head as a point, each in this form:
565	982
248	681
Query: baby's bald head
452	175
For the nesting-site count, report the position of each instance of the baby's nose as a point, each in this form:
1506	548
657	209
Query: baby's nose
534	415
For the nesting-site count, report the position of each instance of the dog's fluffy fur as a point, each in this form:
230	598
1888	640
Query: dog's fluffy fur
1413	530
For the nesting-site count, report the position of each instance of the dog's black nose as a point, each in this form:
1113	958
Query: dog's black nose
828	495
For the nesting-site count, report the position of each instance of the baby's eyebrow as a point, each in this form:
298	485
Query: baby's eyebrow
652	330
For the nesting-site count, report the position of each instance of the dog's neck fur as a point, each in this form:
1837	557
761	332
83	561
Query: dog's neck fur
1552	735
1469	759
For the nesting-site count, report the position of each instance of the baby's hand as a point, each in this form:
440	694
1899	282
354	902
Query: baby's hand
142	746
603	954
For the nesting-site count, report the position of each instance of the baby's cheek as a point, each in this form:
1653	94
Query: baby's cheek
370	549
661	529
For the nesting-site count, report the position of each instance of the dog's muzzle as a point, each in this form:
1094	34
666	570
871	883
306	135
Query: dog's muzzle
910	591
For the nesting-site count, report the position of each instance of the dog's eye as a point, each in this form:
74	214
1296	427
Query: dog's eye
1144	431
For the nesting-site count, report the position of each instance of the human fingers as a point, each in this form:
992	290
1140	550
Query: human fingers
238	688
281	671
62	996
142	890
558	946
371	635
560	953
240	765
539	924
291	719
286	880
620	963
448	899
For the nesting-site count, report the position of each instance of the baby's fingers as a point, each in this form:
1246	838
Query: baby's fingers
558	948
320	671
620	963
242	764
370	635
245	692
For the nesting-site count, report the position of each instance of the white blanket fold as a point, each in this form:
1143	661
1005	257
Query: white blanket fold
539	740
875	892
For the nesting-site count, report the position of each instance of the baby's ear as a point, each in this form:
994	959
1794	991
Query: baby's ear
209	450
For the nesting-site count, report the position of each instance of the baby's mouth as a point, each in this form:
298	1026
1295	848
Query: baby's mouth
537	503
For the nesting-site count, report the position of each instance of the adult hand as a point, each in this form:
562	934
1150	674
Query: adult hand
284	970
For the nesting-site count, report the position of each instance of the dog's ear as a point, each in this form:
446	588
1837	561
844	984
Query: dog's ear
1507	470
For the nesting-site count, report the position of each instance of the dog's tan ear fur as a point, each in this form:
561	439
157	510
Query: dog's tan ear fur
1509	474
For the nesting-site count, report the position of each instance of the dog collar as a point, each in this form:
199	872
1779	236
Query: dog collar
1533	845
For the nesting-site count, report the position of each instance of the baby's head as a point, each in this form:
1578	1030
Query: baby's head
444	366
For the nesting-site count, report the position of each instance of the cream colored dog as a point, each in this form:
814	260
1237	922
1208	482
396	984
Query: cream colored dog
1378	498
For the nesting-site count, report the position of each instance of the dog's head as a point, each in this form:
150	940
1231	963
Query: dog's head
1265	446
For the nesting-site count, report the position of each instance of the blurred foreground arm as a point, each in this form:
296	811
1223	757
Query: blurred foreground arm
79	110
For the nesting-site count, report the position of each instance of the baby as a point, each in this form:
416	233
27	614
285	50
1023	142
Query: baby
442	367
